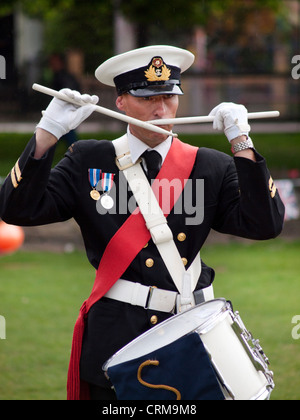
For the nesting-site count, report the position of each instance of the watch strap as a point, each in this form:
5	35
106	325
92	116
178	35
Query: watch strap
243	145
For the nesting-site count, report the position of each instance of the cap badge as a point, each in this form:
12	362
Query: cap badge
157	71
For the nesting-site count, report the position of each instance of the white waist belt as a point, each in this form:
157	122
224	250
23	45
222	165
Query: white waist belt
149	297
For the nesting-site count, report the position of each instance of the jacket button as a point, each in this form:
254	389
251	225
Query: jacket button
181	237
153	319
149	262
185	261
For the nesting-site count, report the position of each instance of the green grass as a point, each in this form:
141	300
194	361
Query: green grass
41	293
262	281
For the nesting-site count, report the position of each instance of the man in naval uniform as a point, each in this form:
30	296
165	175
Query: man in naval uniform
240	198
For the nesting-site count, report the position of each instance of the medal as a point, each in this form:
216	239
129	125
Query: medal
95	195
106	201
94	177
106	183
104	180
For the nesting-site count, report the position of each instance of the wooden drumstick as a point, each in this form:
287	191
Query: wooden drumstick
105	111
208	119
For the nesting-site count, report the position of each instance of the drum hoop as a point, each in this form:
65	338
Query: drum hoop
208	325
219	316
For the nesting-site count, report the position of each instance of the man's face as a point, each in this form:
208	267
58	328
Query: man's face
146	109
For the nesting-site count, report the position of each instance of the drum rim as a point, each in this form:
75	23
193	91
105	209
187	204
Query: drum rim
209	323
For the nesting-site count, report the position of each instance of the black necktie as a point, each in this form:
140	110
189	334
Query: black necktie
153	160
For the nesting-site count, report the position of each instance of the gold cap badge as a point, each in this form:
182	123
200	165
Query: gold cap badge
158	71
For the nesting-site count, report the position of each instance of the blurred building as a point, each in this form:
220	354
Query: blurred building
21	44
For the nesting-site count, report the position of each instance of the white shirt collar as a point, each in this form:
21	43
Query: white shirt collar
137	147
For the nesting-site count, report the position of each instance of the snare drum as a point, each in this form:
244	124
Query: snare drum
239	362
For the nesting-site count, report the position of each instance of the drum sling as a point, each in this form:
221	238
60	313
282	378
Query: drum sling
178	164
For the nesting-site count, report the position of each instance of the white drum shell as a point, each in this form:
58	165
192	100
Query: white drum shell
232	362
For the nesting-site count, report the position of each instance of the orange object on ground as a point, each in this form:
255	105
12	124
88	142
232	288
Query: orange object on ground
11	237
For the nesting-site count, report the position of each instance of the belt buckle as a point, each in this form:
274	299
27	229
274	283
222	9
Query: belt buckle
150	293
128	165
148	301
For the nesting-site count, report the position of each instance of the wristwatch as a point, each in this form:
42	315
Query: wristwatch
243	145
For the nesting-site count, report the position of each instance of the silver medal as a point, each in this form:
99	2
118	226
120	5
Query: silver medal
106	201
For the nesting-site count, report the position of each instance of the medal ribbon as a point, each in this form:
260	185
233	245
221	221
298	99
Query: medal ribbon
107	181
94	176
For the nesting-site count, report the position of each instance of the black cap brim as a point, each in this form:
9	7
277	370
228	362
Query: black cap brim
155	90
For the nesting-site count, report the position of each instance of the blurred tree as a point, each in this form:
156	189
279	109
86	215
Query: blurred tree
83	26
243	37
88	25
70	24
180	17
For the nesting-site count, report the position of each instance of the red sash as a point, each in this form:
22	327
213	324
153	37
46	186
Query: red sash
177	165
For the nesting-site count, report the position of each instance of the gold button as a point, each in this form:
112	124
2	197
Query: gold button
146	245
153	319
181	237
149	262
185	261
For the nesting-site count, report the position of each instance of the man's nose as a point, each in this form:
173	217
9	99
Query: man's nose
160	107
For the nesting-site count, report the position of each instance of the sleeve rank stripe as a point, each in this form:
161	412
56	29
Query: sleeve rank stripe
18	171
13	178
16	175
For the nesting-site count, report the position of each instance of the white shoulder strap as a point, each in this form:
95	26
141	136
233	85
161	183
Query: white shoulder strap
185	280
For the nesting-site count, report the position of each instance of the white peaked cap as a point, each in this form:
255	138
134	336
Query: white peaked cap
145	71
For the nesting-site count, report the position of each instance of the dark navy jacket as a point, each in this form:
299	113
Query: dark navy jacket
239	199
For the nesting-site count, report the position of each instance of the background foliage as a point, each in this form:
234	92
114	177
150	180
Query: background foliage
89	25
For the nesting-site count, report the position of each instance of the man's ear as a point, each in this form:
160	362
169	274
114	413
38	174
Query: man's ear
120	103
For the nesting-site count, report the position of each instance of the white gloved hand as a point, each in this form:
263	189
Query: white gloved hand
61	117
231	118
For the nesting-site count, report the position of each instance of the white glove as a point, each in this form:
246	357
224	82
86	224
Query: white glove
61	117
231	118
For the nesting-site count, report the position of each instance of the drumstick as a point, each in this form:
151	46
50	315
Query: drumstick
105	111
208	119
